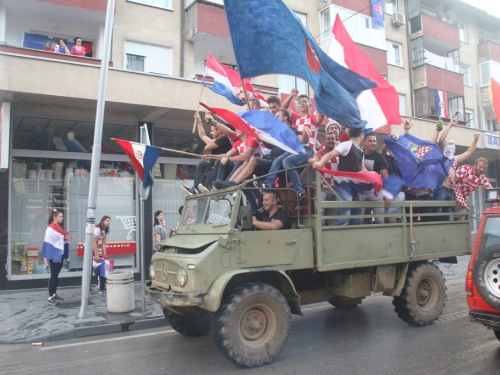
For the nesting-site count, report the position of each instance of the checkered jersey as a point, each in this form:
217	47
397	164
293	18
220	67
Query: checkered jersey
468	181
331	164
241	147
309	121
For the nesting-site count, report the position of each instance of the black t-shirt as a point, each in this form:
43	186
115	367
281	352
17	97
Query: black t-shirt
223	145
375	162
278	215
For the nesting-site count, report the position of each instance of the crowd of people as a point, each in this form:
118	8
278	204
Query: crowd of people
77	49
235	157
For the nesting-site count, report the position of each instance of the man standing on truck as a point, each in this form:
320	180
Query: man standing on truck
351	159
273	217
374	162
468	178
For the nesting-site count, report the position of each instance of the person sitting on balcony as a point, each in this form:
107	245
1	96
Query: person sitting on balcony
61	47
78	49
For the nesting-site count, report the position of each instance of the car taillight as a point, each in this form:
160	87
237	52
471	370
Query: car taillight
468	283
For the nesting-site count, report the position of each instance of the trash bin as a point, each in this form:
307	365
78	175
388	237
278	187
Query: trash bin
120	291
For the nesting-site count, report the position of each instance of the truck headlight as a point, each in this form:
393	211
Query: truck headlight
182	277
152	272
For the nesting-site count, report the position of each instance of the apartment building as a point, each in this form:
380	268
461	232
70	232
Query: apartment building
159	48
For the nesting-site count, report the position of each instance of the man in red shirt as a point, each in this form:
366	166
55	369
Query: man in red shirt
468	177
304	119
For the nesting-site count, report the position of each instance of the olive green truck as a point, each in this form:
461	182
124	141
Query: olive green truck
219	275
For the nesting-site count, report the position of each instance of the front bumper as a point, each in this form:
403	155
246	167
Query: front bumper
167	299
488	319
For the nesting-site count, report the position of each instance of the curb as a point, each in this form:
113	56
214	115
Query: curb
77	332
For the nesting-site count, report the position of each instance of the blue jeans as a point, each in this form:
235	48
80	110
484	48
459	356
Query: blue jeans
347	195
288	160
443	194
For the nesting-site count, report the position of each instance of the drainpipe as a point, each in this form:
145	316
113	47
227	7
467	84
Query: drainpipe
183	16
410	64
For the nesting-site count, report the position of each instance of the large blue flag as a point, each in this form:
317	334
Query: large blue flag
268	38
422	164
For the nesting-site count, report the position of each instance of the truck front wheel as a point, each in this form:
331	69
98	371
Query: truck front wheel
345	303
253	324
423	297
194	321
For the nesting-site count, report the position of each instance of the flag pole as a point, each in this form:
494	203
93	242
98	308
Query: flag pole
168	149
144	138
198	107
96	160
246	94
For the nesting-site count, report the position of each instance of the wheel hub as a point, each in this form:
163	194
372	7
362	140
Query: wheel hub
492	277
424	292
253	325
257	326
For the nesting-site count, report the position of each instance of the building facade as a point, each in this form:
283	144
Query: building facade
159	48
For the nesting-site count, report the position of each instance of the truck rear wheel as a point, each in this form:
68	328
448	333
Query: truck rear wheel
194	321
423	297
345	303
253	325
487	275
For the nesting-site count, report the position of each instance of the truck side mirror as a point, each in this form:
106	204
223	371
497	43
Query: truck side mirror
245	213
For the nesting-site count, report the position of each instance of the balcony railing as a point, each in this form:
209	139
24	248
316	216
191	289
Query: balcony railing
488	51
437	78
436	29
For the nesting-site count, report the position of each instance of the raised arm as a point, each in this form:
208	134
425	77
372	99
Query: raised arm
467	154
286	102
445	132
201	132
231	134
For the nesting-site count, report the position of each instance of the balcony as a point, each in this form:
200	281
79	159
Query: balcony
39	24
377	56
444	34
206	19
440	79
488	51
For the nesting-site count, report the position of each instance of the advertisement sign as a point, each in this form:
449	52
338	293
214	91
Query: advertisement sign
42	42
112	248
4	135
491	140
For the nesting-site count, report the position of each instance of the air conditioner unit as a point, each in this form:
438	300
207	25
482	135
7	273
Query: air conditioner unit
398	19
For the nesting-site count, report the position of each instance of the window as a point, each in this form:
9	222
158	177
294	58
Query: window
466	75
359	26
491	125
487	70
148	58
402	104
455	55
417	52
391	6
456	105
462	31
394	56
165	4
286	83
469	118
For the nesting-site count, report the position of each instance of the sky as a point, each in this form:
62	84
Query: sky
490	6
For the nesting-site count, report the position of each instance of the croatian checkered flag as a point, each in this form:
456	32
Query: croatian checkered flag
422	151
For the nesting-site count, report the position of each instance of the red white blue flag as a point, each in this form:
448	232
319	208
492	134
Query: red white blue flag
378	13
227	82
358	181
378	106
262	125
142	157
441	104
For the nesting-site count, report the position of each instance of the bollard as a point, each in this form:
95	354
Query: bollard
120	291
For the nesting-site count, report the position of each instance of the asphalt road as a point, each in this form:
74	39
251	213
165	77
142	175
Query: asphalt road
367	340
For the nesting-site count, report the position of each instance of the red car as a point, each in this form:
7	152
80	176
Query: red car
482	282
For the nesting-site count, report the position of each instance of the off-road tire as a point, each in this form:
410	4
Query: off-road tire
487	275
345	303
252	325
423	297
194	321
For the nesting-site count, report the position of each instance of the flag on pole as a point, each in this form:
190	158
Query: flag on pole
268	38
262	125
377	13
441	104
495	97
378	106
142	157
421	163
227	82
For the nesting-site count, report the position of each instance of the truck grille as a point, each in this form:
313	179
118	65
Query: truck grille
166	273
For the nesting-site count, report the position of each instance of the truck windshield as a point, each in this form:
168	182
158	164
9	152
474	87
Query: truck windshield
208	210
490	236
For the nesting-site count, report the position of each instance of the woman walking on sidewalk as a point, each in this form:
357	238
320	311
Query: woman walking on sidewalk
54	243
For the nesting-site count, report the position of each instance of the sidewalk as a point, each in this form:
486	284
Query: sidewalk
25	316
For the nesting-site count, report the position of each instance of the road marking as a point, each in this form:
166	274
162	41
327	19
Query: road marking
107	340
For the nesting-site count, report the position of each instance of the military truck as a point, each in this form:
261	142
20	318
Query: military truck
243	285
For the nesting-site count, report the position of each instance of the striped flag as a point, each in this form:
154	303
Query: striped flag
358	181
441	104
378	106
495	97
227	82
142	157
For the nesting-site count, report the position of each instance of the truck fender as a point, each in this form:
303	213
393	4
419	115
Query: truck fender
400	283
267	275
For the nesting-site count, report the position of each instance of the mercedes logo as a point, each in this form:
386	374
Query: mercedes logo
164	271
